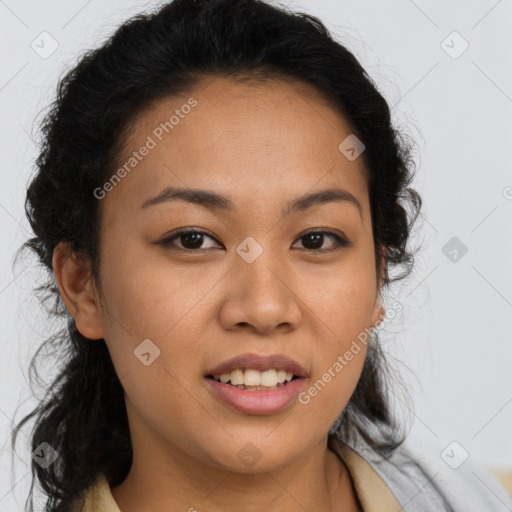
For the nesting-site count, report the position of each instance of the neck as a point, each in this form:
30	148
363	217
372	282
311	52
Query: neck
316	480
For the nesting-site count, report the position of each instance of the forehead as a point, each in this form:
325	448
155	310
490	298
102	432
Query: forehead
252	141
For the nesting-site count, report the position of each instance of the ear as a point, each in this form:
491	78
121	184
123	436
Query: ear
77	290
379	312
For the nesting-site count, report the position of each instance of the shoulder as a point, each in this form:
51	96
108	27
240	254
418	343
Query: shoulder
430	476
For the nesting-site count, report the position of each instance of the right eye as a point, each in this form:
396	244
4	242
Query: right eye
190	239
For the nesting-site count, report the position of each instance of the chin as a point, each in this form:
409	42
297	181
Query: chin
252	456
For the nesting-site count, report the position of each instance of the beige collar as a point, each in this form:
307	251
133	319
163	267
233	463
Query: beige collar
98	497
373	493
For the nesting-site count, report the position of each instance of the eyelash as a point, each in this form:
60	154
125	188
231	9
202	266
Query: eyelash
340	241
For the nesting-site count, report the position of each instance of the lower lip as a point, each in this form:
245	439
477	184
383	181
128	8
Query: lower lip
257	402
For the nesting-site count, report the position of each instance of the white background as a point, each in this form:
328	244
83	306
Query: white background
453	340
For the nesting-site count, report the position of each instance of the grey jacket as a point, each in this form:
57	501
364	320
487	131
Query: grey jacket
436	478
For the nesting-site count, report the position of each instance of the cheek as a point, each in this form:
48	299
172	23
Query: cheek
342	296
154	299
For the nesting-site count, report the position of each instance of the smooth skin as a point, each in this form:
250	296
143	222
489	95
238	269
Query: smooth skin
201	303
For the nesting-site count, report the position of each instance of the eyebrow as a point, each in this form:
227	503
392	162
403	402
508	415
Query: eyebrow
217	202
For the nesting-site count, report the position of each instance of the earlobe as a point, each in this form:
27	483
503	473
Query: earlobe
378	314
77	291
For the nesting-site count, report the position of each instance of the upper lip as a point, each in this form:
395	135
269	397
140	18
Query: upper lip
259	362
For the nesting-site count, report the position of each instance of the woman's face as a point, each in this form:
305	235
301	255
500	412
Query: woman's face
251	284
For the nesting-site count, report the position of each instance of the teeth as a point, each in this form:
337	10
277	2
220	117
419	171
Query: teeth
254	378
269	378
236	377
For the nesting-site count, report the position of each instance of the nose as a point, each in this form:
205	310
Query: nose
260	297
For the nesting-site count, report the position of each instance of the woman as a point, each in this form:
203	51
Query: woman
219	201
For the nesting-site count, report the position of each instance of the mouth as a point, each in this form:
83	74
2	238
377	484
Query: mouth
255	384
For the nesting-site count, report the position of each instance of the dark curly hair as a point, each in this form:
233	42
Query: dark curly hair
149	57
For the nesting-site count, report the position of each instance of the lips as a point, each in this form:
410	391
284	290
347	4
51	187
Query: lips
259	362
261	403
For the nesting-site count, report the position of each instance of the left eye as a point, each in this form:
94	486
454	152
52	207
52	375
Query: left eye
191	240
317	238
